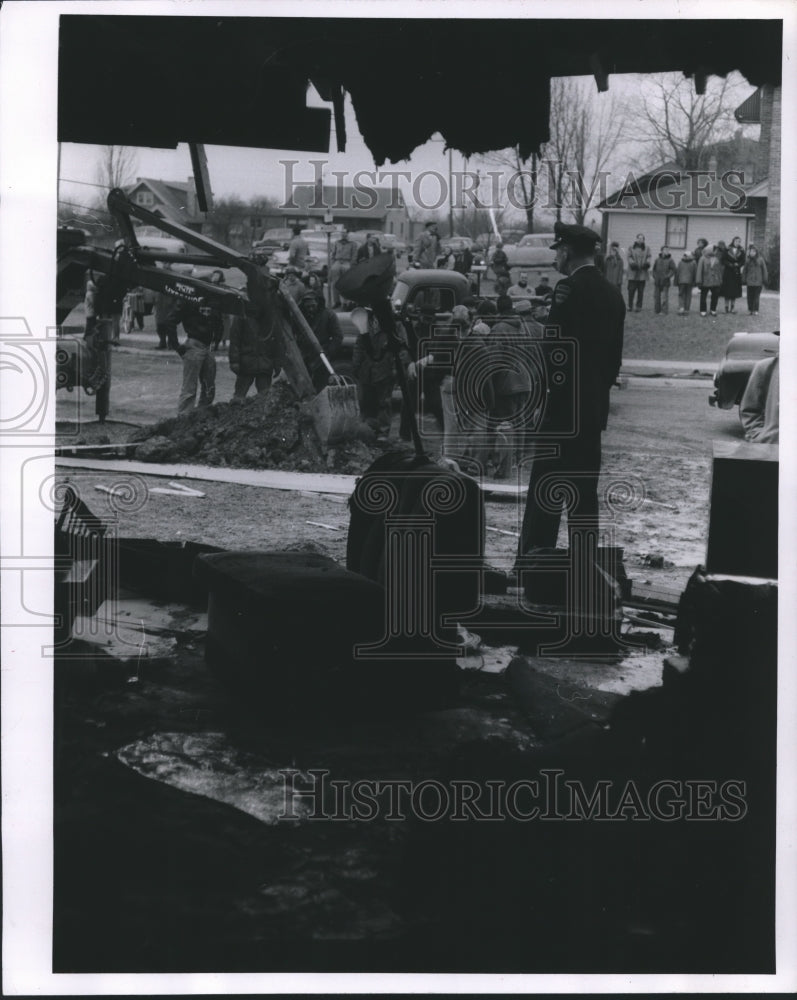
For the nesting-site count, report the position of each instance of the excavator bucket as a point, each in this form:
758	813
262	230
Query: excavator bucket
336	411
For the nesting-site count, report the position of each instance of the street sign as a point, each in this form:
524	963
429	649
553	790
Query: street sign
327	229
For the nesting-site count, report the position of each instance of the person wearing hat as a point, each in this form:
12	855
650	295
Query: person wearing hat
590	315
326	326
427	247
292	283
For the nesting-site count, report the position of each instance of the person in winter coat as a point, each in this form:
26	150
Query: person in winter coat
293	284
252	355
733	261
427	247
709	279
374	368
697	253
664	270
685	279
614	265
203	328
344	254
512	387
326	326
638	267
759	410
298	250
369	249
754	275
162	309
500	266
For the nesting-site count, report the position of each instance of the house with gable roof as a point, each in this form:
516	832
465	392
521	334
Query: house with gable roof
173	200
673	207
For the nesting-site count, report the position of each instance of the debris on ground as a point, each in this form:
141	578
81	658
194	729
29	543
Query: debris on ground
272	431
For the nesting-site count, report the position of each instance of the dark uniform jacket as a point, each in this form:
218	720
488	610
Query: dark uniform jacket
200	323
590	312
253	349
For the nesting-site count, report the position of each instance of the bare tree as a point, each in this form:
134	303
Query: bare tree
597	132
558	151
679	124
116	166
523	179
586	131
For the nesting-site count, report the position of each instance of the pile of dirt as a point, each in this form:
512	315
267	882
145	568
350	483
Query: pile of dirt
272	431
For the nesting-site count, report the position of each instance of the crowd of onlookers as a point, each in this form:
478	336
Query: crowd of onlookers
487	423
716	270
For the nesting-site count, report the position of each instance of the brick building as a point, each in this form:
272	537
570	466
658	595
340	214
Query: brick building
764	107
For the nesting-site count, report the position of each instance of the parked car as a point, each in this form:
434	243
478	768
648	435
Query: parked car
533	250
233	278
741	354
458	243
425	287
273	239
318	258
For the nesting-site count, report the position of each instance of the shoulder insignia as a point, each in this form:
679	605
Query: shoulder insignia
562	292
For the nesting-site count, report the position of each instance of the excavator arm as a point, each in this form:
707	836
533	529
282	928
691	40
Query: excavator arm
130	265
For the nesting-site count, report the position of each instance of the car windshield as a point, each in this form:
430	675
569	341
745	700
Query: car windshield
441	299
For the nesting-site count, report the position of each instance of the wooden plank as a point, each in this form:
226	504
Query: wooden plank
274	479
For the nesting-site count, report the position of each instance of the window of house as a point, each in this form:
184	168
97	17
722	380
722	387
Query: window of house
145	198
676	232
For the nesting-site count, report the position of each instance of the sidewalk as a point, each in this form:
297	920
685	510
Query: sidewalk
646	367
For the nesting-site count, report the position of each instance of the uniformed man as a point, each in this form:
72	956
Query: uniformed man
591	312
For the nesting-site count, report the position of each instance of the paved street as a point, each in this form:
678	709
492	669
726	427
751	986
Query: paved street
657	396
